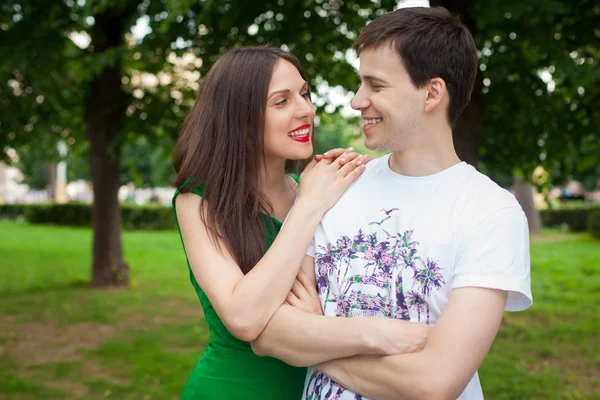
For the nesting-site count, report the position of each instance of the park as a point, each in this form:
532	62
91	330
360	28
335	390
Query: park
95	296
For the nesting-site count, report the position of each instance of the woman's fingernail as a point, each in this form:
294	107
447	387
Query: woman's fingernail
342	160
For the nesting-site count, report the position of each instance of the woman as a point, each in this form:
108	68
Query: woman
252	115
252	121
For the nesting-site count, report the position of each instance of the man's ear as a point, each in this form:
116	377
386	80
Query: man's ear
436	91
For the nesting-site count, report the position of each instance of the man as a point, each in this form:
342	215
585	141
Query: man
421	236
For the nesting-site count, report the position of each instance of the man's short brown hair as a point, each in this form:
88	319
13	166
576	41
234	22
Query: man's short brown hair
432	43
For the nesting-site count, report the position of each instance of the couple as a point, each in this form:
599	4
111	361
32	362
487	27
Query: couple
389	277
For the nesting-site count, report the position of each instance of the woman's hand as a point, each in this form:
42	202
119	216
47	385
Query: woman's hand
304	296
343	156
394	336
324	180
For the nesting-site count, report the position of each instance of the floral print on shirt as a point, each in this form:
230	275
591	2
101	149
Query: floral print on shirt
381	257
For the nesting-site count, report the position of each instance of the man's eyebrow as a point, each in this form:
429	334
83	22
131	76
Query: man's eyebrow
304	86
371	78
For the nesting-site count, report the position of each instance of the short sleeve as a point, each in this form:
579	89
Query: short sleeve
495	254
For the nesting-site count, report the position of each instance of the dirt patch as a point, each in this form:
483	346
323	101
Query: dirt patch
35	343
72	388
94	369
166	313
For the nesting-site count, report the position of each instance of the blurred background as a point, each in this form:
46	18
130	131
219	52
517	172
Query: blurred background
95	300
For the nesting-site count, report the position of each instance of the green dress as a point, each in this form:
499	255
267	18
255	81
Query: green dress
229	369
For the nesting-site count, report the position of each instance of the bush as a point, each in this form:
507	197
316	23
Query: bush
576	219
12	211
71	214
147	217
80	214
594	223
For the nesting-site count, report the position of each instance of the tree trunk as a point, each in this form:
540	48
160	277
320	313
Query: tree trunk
104	114
51	174
467	131
466	134
524	194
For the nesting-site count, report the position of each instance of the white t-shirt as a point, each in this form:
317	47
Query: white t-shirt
395	246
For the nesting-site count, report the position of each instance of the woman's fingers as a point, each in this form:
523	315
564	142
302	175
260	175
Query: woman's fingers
356	164
334	153
309	284
293	301
300	291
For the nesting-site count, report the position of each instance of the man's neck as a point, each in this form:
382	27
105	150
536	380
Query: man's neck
432	155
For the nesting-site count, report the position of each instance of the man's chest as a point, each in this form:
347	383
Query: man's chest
388	262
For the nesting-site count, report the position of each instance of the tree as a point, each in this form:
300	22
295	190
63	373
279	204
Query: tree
118	87
538	84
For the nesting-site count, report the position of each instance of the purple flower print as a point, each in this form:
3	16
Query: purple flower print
388	215
418	302
429	276
378	260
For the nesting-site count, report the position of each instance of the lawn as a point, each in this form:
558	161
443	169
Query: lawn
61	340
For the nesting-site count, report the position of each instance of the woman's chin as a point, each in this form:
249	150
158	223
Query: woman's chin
301	155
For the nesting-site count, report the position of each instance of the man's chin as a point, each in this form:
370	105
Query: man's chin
372	144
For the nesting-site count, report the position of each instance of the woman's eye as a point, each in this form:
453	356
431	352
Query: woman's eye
281	102
374	86
306	95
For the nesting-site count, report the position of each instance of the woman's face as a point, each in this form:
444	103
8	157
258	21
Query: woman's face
289	115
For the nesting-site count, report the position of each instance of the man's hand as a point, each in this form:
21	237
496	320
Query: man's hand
304	296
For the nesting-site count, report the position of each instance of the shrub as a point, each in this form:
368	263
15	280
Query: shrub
594	223
576	219
80	214
12	211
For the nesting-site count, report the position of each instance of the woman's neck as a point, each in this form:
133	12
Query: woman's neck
274	180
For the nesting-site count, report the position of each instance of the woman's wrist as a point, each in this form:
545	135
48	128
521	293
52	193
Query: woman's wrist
310	208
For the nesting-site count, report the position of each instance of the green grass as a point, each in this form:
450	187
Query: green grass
61	340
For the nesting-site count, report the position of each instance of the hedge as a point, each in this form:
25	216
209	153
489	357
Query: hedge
159	217
594	223
80	214
576	219
12	211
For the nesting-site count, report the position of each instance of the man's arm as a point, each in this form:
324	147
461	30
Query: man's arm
456	347
300	338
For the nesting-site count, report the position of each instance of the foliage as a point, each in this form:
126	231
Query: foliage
540	63
575	219
80	214
12	211
46	77
594	223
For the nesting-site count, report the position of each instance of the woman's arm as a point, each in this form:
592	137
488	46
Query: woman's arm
246	303
300	335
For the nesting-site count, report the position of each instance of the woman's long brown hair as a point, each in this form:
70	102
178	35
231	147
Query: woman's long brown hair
221	146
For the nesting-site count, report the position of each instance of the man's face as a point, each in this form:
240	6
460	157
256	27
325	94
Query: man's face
390	105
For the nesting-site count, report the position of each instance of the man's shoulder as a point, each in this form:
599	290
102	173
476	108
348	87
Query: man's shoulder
372	175
482	197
